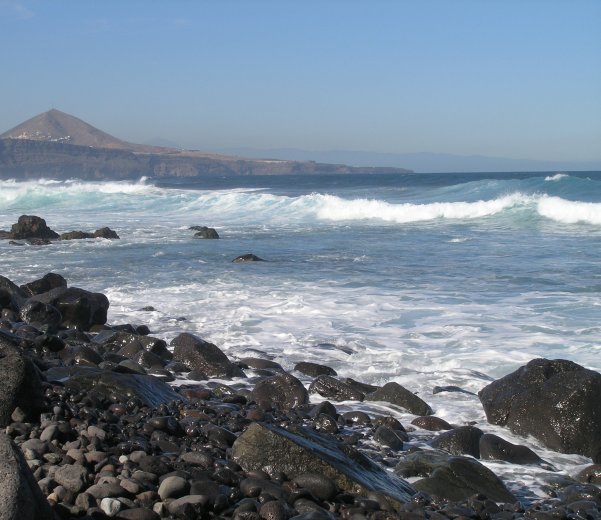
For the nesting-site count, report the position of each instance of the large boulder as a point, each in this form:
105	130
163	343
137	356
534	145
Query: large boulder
80	309
452	477
20	385
30	226
204	357
48	282
300	451
400	396
495	448
555	401
12	295
463	440
20	495
334	389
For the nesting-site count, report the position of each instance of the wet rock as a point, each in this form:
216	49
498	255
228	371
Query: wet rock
20	385
451	388
331	388
555	401
319	485
464	440
281	391
31	227
302	451
202	356
431	423
400	396
249	257
75	235
356	417
80	309
389	437
314	369
48	282
106	232
452	477
173	487
205	232
496	448
151	391
590	475
41	315
260	364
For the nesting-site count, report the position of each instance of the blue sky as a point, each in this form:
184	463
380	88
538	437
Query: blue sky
499	78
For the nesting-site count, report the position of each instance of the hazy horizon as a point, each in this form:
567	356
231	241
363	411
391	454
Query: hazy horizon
502	80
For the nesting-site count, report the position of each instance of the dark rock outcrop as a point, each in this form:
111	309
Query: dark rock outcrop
555	401
205	232
48	282
75	235
20	495
452	477
248	257
80	309
30	226
105	232
314	369
400	396
202	356
302	451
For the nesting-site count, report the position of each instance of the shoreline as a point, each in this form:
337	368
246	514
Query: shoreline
168	422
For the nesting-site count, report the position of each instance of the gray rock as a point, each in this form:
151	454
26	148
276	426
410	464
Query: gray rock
203	356
205	232
400	396
110	506
20	495
30	226
555	401
321	486
75	235
196	504
452	477
138	513
173	487
389	437
72	477
105	232
301	450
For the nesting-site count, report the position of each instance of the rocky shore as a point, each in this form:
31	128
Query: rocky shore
94	427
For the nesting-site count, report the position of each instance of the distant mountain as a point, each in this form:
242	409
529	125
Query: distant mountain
424	162
60	146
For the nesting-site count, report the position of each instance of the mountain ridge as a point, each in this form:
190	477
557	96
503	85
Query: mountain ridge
57	145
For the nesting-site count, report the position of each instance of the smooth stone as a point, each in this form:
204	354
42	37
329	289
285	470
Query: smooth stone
318	484
173	487
464	440
398	395
72	477
110	506
314	369
431	423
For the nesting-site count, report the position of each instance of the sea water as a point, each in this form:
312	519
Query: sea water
423	279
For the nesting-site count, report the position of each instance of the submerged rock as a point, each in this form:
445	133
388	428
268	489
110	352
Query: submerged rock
302	451
205	232
495	448
249	257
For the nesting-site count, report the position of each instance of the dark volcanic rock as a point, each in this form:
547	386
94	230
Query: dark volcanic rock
496	448
314	369
400	396
555	401
205	232
452	477
48	282
281	391
75	235
464	440
38	314
202	356
13	293
20	495
150	390
431	423
30	226
20	385
249	257
331	388
302	451
79	308
105	232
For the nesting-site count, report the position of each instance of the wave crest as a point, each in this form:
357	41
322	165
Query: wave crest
569	212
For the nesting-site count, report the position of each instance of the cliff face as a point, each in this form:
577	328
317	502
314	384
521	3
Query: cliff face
29	159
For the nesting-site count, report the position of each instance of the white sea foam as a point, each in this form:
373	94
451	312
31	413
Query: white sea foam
569	212
556	177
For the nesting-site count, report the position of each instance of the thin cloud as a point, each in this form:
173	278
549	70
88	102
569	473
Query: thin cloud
16	9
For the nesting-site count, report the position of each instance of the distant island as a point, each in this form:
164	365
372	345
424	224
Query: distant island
57	145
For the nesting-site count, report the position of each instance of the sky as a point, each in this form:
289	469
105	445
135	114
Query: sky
511	78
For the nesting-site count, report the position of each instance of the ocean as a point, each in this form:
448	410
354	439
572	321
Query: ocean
423	279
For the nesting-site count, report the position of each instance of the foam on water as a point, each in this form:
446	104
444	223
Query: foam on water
424	280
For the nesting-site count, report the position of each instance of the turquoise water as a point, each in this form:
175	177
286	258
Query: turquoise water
448	279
